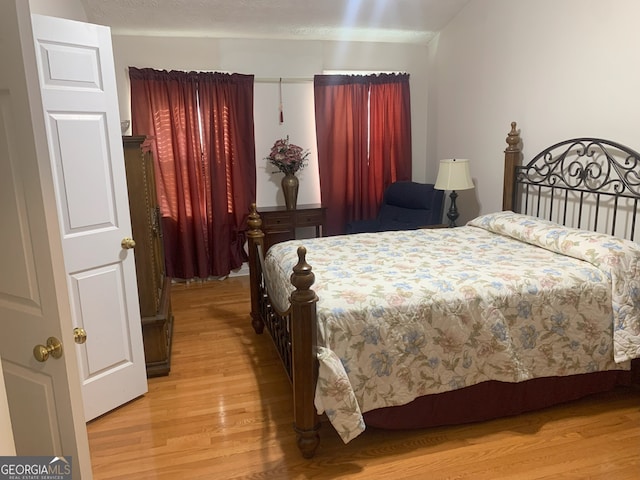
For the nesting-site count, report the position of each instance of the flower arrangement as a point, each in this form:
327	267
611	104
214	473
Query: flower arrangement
287	157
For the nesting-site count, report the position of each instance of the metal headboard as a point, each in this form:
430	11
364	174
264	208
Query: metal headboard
585	183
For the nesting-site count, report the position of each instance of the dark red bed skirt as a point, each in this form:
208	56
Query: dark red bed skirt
494	399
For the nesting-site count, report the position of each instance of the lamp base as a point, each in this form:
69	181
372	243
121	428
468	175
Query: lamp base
452	214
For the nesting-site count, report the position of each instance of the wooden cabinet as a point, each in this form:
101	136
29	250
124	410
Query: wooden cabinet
280	224
153	285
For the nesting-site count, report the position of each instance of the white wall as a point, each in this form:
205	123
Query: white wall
560	68
273	59
71	9
297	101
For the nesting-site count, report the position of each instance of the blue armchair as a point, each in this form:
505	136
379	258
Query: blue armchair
405	206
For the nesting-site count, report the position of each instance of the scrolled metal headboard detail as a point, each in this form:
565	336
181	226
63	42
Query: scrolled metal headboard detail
582	182
578	164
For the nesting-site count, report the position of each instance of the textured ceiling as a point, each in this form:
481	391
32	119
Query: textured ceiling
409	21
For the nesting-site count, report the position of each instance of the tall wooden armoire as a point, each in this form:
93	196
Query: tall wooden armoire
153	285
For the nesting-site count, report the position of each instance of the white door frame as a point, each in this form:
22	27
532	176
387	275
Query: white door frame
7	445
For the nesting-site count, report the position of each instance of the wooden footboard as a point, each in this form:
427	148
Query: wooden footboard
293	332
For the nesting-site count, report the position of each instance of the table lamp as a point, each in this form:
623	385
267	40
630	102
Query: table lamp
453	175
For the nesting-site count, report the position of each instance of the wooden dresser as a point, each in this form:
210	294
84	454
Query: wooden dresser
280	224
153	285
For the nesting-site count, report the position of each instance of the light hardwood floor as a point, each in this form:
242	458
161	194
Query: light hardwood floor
224	412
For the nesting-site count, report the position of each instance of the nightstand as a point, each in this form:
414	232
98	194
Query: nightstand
280	224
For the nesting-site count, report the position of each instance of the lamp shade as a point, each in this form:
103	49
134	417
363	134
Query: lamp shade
454	174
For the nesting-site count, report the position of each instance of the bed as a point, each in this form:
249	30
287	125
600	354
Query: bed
518	310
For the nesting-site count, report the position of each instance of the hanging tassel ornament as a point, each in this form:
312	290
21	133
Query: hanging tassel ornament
280	106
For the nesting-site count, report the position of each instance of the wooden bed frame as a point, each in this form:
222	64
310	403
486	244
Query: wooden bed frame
294	331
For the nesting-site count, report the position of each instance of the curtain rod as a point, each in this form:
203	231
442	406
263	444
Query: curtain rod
283	80
311	79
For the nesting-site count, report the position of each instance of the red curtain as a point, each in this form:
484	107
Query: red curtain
363	128
226	105
201	131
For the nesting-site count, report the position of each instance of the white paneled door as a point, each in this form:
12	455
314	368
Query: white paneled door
63	216
44	398
78	90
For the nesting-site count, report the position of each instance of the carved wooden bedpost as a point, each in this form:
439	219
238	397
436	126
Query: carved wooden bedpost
255	237
511	161
305	364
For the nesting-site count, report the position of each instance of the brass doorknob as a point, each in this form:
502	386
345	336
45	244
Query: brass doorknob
128	243
53	348
79	335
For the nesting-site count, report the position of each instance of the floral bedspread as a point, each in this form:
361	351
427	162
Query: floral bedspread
507	297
